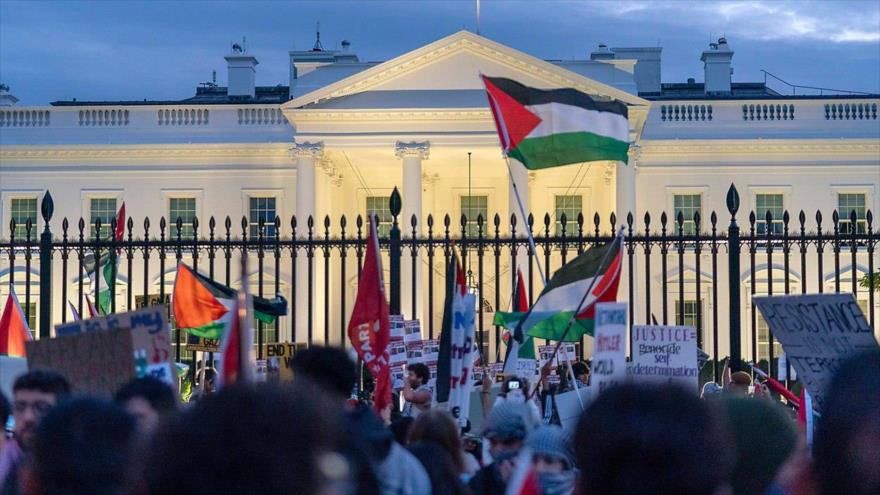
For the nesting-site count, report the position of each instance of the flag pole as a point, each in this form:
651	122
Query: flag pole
522	211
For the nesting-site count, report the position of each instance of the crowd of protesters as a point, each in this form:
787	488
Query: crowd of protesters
313	436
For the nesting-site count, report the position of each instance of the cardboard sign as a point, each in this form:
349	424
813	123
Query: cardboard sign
570	407
279	360
817	331
106	352
200	344
666	354
609	346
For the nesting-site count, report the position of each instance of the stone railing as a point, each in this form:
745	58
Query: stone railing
685	112
102	118
261	116
24	118
182	116
768	111
851	111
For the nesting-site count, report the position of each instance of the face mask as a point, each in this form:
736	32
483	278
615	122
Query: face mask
557	483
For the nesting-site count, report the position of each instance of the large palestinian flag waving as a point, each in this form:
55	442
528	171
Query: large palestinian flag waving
549	128
596	270
203	307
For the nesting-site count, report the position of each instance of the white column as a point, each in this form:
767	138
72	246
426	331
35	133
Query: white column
412	154
626	186
306	154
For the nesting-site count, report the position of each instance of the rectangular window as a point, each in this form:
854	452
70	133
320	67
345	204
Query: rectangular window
105	210
472	207
687	205
769	203
378	206
691	313
30	314
262	208
185	210
22	210
763	334
571	207
846	204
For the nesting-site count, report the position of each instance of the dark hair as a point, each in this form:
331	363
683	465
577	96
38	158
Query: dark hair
523	384
264	439
445	477
849	431
421	371
85	446
328	367
5	411
437	425
580	368
156	392
401	427
639	439
46	381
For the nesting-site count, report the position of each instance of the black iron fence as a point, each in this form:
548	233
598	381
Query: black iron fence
676	270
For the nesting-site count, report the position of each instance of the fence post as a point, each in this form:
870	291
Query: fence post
47	207
734	303
394	252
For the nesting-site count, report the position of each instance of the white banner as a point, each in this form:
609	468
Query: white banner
666	354
461	368
609	346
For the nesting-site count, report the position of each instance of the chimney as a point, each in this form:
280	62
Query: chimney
242	72
716	65
602	53
6	98
647	71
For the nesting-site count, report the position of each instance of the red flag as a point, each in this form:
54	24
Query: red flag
231	369
520	301
368	329
120	224
14	331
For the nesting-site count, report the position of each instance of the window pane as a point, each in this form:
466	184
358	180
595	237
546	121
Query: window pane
262	208
22	210
105	209
691	313
378	206
769	203
472	207
185	209
687	204
846	204
571	206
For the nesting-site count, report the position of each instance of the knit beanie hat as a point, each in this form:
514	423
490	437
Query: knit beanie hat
551	441
508	420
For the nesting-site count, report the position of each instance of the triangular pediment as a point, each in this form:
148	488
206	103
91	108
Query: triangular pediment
455	63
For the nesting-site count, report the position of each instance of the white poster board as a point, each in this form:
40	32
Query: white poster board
817	332
663	353
570	408
609	346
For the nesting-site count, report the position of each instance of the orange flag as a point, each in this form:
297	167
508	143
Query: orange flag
14	331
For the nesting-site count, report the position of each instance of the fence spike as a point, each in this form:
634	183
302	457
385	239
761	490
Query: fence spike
732	200
47	207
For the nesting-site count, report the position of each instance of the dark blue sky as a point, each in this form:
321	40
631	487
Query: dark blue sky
114	50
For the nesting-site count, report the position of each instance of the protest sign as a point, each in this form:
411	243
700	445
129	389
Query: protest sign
397	353
609	346
396	323
412	331
665	354
431	350
398	375
415	352
105	352
570	407
10	369
783	369
200	344
462	356
279	360
817	332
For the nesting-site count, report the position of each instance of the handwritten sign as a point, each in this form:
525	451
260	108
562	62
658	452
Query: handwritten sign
279	360
609	346
817	332
665	354
462	356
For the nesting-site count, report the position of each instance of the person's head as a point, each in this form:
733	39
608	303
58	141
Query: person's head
34	394
551	449
266	439
711	390
83	446
515	387
845	447
506	427
763	437
739	383
640	439
328	367
210	378
437	425
581	371
401	427
147	399
417	374
444	475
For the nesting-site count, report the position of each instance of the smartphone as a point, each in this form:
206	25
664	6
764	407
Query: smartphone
513	385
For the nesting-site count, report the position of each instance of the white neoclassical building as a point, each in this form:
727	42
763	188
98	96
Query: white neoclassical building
343	133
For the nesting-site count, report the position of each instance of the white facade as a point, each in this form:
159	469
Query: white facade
351	130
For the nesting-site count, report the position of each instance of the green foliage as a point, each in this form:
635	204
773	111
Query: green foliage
871	282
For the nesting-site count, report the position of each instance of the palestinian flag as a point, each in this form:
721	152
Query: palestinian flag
549	128
14	331
456	289
519	345
597	270
105	275
202	306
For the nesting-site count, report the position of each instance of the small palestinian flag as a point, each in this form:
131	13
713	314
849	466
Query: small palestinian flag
203	307
105	275
549	128
519	346
597	270
14	331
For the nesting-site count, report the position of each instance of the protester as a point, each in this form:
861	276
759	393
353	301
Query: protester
552	460
763	437
711	390
34	394
506	428
267	440
416	391
640	439
329	367
401	427
439	427
581	372
83	447
848	435
147	399
513	389
740	383
440	466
